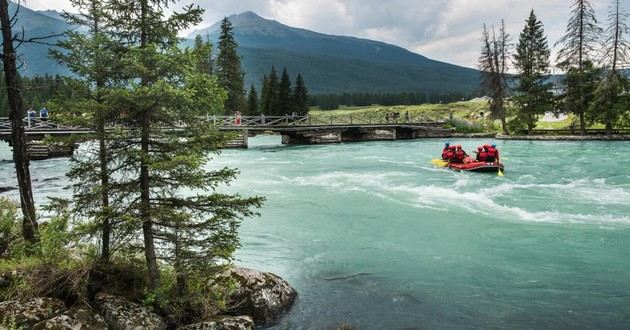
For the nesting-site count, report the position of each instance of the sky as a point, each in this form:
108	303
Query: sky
445	30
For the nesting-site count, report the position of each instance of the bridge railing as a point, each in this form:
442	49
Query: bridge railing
35	123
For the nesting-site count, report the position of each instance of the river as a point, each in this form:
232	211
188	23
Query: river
372	235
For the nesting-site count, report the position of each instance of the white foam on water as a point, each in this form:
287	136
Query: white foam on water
480	201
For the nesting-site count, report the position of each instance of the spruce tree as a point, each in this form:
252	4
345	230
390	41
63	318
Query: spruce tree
203	51
300	97
229	69
532	62
93	58
195	232
265	96
578	46
608	104
252	102
284	95
271	98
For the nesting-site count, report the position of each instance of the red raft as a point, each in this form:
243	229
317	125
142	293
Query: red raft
477	167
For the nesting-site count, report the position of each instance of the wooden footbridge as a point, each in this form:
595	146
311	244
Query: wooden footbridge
294	129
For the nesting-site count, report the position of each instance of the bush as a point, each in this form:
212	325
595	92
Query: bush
9	228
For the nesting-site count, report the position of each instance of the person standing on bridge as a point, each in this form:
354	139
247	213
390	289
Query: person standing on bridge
30	116
237	118
43	114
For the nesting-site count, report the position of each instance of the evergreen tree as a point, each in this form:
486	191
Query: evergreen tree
300	97
270	101
493	66
609	105
265	96
578	46
93	59
284	95
252	102
532	62
203	51
229	69
196	232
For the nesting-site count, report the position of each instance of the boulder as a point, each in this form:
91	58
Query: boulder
121	314
25	313
264	296
74	319
223	323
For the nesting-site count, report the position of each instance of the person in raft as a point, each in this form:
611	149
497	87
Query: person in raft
492	153
445	151
460	155
481	154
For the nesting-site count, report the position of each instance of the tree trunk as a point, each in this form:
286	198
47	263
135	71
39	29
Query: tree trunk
145	201
18	139
104	192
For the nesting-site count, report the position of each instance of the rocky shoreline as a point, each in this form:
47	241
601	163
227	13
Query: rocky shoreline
253	298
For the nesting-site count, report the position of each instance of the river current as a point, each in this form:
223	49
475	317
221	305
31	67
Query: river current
373	235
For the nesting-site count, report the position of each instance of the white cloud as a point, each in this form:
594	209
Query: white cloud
446	30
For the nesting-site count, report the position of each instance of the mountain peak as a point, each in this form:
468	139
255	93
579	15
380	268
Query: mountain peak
246	14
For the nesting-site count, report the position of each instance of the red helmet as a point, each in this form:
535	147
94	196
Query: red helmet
479	148
451	148
459	146
486	146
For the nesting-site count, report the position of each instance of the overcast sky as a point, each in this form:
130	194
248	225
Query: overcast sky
445	30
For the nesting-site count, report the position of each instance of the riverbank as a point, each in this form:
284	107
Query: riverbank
563	137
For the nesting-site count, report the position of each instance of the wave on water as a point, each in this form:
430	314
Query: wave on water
481	201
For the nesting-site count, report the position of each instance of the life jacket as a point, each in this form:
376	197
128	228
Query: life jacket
492	154
450	154
481	156
445	154
460	155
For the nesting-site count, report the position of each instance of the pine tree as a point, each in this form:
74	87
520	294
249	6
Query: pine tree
493	66
16	114
578	46
532	62
196	232
609	105
252	101
271	97
284	95
265	96
300	97
93	59
203	51
229	69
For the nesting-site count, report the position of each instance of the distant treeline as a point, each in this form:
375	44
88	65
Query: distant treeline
333	101
36	91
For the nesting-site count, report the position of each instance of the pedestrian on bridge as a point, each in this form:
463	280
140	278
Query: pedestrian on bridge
30	116
237	118
43	114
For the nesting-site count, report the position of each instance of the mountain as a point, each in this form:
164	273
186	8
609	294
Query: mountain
333	64
36	24
329	64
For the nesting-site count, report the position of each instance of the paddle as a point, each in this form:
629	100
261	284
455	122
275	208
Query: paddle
500	173
439	162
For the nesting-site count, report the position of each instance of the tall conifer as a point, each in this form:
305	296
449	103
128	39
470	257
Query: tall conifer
578	46
300	96
252	101
531	59
229	71
284	95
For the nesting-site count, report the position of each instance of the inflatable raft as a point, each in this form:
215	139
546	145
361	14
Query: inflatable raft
477	167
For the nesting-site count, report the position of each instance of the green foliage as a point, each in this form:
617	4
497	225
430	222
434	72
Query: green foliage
580	90
581	38
229	69
609	100
532	62
9	225
299	96
252	102
284	106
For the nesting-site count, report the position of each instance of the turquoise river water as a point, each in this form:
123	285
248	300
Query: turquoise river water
374	236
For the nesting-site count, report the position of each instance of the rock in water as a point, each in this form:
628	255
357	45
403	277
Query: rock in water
223	323
74	319
121	314
264	296
26	313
